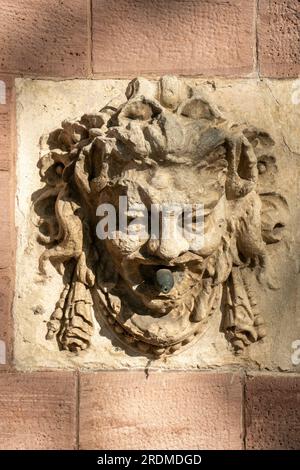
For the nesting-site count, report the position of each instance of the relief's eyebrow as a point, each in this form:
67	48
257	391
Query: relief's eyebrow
201	164
210	139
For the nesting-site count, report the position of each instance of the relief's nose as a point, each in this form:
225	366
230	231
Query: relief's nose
171	243
169	249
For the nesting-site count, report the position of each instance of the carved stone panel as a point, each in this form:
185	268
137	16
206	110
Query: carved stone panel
164	299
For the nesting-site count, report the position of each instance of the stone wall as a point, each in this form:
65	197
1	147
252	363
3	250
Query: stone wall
247	53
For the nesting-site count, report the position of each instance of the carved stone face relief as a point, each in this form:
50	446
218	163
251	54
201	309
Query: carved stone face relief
167	144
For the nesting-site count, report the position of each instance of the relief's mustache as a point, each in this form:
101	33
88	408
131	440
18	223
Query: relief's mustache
186	258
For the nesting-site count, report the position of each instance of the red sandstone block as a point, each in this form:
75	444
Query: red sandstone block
6	93
6	291
279	38
189	37
5	136
167	410
44	37
273	412
6	122
6	217
38	410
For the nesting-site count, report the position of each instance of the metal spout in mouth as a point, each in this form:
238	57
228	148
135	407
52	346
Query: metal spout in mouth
164	280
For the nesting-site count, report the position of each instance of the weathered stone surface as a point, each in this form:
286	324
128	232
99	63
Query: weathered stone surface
266	104
6	295
38	410
168	410
273	412
44	38
6	216
158	288
6	117
184	37
7	247
5	141
278	38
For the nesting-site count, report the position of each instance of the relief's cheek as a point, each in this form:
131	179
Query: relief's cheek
212	239
196	242
214	228
123	244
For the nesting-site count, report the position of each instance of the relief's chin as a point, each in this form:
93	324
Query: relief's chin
165	328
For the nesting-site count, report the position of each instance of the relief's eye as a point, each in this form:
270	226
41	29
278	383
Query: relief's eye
190	218
139	216
267	164
130	218
180	220
262	167
137	223
59	168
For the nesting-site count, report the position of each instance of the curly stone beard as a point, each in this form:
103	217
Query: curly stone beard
156	323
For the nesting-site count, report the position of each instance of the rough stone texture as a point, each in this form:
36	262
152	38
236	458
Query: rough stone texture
177	148
279	38
273	412
267	104
6	116
184	37
44	38
38	410
5	140
6	294
6	216
169	410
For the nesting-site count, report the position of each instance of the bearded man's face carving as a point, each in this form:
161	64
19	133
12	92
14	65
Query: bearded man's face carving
165	149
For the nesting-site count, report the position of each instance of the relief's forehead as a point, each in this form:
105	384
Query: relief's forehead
176	176
161	177
176	183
